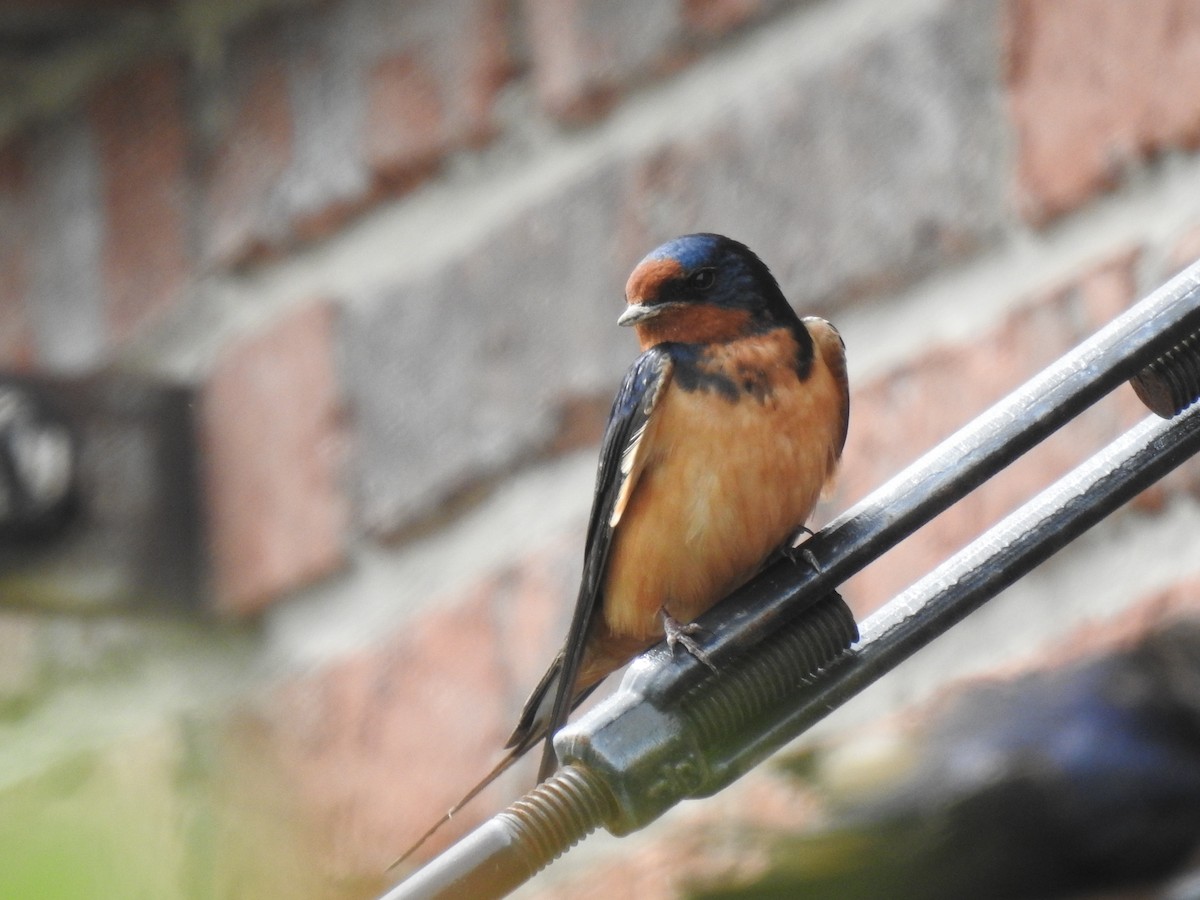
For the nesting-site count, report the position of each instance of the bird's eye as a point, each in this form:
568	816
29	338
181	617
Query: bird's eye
702	279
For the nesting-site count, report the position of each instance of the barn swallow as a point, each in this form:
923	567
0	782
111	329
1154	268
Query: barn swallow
724	434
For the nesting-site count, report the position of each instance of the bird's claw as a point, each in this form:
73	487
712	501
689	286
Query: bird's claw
678	633
802	555
799	554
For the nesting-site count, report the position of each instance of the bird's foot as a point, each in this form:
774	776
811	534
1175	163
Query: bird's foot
799	553
802	555
678	633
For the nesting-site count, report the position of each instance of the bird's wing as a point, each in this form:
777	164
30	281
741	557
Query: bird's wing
621	462
829	343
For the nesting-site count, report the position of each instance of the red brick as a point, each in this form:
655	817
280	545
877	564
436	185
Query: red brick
142	143
252	152
16	337
490	65
426	99
894	420
1095	86
272	439
585	51
407	114
717	17
320	114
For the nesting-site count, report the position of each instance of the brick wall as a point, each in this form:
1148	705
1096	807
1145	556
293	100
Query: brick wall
384	241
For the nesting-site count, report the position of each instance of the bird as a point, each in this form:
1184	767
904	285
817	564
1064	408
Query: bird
725	433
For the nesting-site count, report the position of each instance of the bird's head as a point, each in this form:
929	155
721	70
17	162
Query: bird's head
702	288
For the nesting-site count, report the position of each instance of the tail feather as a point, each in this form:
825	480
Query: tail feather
535	715
534	723
500	768
531	728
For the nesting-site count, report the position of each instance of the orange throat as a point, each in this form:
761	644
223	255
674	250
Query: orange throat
700	324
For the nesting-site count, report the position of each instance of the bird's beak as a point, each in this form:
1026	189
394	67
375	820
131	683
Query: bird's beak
636	313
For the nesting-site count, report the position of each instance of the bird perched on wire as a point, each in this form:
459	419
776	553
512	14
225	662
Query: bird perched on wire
724	434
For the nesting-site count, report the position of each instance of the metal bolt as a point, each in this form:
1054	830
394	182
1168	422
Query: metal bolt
1171	383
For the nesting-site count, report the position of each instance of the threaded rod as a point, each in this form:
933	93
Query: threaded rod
1171	383
720	707
514	845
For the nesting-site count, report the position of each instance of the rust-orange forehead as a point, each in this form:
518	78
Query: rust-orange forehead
647	278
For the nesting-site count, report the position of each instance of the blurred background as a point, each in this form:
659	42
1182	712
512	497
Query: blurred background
307	339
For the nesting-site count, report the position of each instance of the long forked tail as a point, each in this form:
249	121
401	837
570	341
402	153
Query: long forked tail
531	728
537	716
501	767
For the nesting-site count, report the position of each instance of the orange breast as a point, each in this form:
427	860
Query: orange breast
725	483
